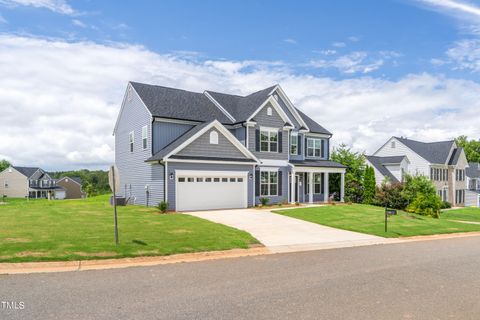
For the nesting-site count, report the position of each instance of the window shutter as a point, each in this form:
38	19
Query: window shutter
280	142
306	144
323	148
257	183
280	182
299	144
257	140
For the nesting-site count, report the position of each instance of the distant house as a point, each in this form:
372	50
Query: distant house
72	187
443	162
35	183
472	197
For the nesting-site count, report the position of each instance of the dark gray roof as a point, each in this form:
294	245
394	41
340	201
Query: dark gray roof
26	171
312	125
178	104
473	170
434	152
379	164
455	156
241	108
176	143
77	179
317	163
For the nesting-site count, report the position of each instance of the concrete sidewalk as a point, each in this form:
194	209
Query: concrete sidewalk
284	234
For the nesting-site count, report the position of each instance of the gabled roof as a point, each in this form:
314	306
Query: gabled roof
178	104
379	163
455	156
473	170
433	152
312	125
26	171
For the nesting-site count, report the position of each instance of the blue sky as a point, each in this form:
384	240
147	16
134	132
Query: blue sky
411	63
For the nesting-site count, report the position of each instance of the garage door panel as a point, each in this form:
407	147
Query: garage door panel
211	192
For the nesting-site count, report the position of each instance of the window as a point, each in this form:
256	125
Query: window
131	140
224	179
268	183
294	144
216	179
191	179
317	183
314	148
5	184
239	179
268	141
214	137
460	175
144	137
232	180
199	179
269	111
393	144
181	179
208	179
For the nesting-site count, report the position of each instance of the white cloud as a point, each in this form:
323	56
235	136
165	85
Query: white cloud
2	19
59	100
79	23
455	6
339	44
290	40
355	62
58	6
354	38
463	55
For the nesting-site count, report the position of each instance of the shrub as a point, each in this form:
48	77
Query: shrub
163	206
446	205
390	195
264	201
369	186
428	205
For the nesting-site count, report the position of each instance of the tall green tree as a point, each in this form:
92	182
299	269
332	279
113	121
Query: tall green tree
471	147
4	164
355	163
369	185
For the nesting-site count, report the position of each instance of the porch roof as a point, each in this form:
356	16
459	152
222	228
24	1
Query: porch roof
317	164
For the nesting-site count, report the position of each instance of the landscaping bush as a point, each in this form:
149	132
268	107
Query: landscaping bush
446	205
264	201
369	186
390	195
415	185
428	205
163	206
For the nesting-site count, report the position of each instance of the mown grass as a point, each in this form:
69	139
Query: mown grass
42	230
370	220
464	214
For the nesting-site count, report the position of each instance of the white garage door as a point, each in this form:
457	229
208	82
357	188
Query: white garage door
205	190
60	195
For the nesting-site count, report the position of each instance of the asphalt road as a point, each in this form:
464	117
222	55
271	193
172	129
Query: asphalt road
420	280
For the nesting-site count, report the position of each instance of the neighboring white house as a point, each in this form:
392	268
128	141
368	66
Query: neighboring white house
472	197
443	162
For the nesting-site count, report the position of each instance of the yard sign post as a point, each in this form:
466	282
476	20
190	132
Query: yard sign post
113	182
388	212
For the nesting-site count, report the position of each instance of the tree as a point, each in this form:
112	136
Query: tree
421	195
355	163
471	147
4	164
369	185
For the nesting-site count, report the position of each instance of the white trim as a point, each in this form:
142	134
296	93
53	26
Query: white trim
270	169
224	131
146	138
209	161
278	163
131	141
166	178
123	106
319	169
208	173
168	120
290	106
250	123
277	107
219	106
318	135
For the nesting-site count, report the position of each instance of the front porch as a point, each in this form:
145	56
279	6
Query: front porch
309	181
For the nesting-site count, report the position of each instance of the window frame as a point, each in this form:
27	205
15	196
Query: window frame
292	138
213	137
145	137
266	185
131	141
314	147
269	133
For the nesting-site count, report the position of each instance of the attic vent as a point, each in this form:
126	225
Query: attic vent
275	96
393	145
10	170
269	111
213	137
129	93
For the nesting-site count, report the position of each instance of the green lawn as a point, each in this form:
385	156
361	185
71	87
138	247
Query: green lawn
464	214
41	230
370	219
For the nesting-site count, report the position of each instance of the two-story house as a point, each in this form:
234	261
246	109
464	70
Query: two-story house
443	162
211	150
472	197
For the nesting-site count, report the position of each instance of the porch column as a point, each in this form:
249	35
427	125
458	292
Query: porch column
325	187
292	191
310	187
342	187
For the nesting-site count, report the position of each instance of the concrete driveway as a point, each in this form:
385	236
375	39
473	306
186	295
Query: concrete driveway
284	234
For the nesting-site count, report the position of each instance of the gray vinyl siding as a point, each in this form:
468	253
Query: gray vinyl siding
203	148
284	196
165	133
135	174
273	121
240	134
288	112
172	166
